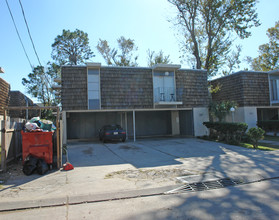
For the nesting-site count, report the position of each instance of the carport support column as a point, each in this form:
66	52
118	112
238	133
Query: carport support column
134	125
175	123
64	129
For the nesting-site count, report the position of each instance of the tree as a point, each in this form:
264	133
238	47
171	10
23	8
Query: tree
268	53
153	58
126	56
219	110
233	61
207	27
71	48
38	84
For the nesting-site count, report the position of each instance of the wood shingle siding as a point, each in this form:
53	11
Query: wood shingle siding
4	94
74	88
246	88
130	88
18	99
126	88
191	88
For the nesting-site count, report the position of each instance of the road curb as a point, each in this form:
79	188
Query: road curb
79	199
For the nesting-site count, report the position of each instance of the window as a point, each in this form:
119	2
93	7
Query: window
93	85
164	88
274	89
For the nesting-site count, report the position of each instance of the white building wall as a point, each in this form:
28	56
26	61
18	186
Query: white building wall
64	128
250	116
175	122
244	114
200	115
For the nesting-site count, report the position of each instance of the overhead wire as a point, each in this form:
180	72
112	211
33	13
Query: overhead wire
29	33
19	35
31	39
26	23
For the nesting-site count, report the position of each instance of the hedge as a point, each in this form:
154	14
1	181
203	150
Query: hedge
270	125
229	132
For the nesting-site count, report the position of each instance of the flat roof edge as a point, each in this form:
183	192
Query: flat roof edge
126	110
237	73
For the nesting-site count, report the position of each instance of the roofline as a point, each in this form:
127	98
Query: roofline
274	72
195	70
97	65
128	110
6	81
237	73
2	70
164	67
125	67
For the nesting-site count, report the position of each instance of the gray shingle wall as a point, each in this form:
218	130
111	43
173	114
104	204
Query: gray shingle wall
231	89
4	94
18	99
130	88
74	88
126	88
256	89
246	88
191	88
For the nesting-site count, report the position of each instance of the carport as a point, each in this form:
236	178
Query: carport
85	124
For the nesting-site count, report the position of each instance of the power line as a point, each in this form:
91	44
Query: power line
29	32
18	34
42	77
26	23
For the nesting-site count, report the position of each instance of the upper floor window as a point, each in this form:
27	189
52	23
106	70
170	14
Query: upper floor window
274	86
93	85
164	86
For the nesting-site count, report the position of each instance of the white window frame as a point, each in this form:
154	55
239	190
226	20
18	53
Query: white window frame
99	81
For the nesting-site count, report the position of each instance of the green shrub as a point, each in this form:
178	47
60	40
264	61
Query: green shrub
255	135
269	125
229	132
219	110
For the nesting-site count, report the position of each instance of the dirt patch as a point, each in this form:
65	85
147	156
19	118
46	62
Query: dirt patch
153	174
13	170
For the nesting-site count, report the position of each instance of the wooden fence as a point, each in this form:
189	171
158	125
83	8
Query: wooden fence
11	147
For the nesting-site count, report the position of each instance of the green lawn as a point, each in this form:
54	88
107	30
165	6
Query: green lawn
262	146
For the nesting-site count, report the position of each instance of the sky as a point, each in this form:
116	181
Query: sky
144	21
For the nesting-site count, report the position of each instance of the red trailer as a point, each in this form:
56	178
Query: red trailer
37	144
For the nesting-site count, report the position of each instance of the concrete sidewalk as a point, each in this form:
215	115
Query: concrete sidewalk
126	170
253	201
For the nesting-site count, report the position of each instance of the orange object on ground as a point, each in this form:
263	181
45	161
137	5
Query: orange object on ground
68	166
37	144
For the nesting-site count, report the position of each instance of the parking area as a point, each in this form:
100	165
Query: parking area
192	154
101	170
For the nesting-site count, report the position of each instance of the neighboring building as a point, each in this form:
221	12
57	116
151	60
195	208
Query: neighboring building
4	95
257	95
162	100
19	99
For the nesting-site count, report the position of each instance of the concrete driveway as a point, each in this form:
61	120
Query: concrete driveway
194	155
146	167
